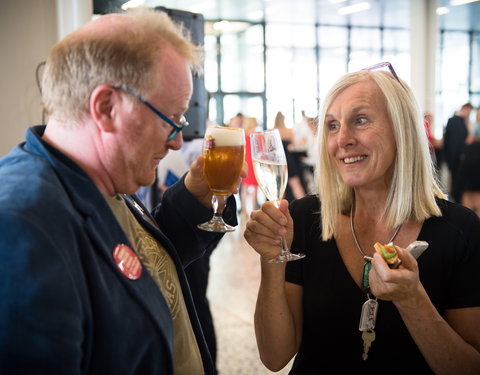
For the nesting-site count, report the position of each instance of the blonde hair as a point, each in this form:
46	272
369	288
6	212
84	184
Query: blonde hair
414	186
279	121
125	53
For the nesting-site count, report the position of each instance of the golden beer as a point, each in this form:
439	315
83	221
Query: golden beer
224	152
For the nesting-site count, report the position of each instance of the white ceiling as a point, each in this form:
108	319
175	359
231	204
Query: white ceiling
391	13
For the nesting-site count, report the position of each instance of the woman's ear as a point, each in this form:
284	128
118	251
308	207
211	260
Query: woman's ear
103	100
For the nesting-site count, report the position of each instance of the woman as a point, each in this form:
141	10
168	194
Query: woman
469	170
249	187
376	184
294	188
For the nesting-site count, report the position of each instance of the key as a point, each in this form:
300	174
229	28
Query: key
368	337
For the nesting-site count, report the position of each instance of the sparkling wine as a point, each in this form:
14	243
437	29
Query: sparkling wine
271	177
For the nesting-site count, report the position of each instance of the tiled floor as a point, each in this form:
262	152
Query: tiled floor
232	291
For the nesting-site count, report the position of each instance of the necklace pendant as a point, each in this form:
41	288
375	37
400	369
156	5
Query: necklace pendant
365	283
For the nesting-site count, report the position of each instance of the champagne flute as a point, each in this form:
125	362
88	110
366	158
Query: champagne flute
271	172
224	152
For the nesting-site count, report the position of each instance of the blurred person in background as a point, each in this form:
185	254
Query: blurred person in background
476	127
454	142
435	145
249	186
92	283
237	120
470	169
304	145
294	188
469	175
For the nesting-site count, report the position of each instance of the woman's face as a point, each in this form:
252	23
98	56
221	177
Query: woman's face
360	138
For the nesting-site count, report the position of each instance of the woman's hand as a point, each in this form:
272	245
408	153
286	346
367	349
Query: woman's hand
401	285
266	227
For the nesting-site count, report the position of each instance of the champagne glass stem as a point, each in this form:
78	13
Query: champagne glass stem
285	255
285	249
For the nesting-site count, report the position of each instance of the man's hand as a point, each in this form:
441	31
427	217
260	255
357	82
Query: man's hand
197	184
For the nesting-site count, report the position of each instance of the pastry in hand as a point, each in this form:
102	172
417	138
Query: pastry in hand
388	252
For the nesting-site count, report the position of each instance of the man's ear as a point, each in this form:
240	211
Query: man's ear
103	100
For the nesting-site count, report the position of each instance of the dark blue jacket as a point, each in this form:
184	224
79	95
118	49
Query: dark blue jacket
65	308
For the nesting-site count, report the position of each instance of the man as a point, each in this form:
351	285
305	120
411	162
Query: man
456	133
90	282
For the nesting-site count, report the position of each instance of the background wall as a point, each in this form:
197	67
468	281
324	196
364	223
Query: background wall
27	32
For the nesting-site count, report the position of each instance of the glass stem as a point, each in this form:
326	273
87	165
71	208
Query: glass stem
285	250
218	204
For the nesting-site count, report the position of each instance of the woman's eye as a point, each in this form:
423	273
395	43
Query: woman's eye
361	120
332	126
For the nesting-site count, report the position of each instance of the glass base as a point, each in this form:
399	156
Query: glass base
216	225
288	257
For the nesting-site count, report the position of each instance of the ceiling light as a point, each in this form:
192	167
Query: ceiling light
202	7
461	2
224	26
359	7
132	4
442	10
336	1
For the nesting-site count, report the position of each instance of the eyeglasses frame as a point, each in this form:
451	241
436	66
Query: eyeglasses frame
384	64
177	128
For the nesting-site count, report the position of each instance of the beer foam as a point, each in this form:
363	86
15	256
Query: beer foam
225	136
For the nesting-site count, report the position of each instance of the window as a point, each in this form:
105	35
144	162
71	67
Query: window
453	75
289	64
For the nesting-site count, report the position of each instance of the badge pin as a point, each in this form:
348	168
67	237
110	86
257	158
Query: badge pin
127	261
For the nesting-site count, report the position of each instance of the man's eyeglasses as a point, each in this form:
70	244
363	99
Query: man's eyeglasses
177	128
384	64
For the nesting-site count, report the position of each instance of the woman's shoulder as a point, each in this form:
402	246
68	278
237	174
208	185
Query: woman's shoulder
458	217
454	210
309	206
306	220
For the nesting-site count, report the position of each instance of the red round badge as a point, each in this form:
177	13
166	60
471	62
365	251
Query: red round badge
127	261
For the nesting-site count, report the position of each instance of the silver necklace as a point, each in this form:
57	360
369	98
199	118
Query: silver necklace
365	256
368	315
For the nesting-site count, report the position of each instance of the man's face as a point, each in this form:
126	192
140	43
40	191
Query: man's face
141	141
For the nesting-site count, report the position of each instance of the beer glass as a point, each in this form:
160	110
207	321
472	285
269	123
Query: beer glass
224	152
271	172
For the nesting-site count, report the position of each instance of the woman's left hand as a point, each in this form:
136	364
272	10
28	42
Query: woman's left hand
396	285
